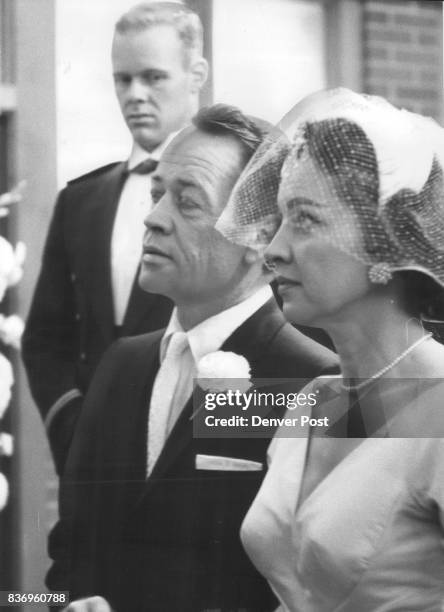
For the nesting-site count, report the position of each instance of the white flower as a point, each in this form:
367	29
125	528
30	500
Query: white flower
6	382
11	264
4	491
11	197
6	444
16	271
222	370
7	257
11	330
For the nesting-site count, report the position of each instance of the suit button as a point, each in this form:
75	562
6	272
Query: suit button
73	277
78	316
82	356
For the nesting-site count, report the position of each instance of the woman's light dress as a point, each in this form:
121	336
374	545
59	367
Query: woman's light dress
369	537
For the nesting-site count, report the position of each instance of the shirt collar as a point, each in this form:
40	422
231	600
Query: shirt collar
209	335
138	154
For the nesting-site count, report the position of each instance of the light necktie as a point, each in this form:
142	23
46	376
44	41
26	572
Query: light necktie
162	397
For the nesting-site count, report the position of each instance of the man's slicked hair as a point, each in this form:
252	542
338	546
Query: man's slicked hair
185	21
226	120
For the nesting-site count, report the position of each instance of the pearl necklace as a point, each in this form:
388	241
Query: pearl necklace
388	367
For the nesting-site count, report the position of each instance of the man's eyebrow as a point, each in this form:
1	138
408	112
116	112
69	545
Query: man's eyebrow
178	183
183	182
156	70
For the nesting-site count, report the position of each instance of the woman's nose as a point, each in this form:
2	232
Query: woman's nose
278	250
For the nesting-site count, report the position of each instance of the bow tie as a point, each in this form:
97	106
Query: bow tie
145	167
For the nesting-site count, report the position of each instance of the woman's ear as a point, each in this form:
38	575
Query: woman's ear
199	74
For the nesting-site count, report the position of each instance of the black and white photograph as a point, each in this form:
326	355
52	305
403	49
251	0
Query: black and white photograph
222	305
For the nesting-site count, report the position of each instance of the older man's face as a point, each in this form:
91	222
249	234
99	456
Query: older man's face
184	257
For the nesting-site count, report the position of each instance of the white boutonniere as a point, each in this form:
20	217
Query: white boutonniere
223	370
220	372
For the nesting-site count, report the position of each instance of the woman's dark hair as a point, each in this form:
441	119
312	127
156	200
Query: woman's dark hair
423	298
344	152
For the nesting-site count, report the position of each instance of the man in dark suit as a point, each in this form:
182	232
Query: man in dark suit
86	296
150	514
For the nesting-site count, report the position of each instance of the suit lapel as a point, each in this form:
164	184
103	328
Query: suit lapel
251	340
103	212
179	438
127	436
137	396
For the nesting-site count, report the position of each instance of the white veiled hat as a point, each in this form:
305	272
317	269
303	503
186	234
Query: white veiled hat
384	165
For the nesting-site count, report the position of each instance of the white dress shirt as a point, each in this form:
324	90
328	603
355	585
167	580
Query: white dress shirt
206	337
127	236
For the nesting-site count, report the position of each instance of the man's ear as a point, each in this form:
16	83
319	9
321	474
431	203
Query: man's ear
199	74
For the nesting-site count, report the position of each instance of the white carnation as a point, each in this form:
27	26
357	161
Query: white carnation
218	370
11	264
6	382
11	330
6	444
4	491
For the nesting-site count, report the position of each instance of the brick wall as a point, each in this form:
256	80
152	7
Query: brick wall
402	53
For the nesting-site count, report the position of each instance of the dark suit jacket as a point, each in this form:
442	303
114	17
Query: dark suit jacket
169	543
71	321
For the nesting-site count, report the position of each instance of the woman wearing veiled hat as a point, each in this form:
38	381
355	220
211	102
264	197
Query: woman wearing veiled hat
351	519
